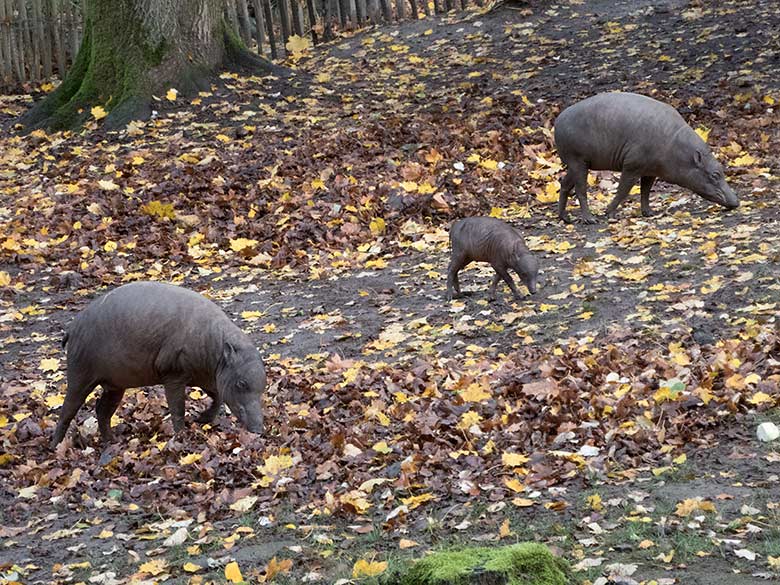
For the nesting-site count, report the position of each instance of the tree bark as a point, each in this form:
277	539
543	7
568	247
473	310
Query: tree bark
133	49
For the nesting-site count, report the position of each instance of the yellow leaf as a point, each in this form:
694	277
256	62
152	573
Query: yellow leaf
275	567
774	562
269	327
154	567
761	398
108	185
98	112
594	502
110	246
275	464
523	502
317	184
240	244
409	186
297	45
703	133
365	568
514	485
233	573
323	77
251	315
680	460
223	138
646	544
55	400
377	226
551	191
743	161
381	447
415	501
513	459
191	458
489	164
5	278
504	529
159	210
426	189
49	365
172	94
244	504
191	567
690	505
475	393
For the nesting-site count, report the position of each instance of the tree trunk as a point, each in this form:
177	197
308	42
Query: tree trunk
133	49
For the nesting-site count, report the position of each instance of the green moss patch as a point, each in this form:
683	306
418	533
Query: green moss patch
526	563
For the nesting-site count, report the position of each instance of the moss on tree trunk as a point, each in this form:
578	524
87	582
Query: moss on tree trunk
133	49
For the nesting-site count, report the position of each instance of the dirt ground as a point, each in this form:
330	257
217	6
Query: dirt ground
691	275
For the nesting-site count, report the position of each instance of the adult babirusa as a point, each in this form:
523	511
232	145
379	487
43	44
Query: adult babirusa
148	333
642	138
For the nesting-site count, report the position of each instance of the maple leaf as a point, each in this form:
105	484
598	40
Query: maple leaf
274	568
190	458
154	567
377	226
363	568
298	46
108	185
413	502
475	392
172	94
98	112
690	505
49	365
513	459
242	244
159	210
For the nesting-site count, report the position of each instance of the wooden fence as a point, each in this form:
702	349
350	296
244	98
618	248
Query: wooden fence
40	38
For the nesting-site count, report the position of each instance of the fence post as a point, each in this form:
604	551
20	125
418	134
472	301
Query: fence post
284	19
399	9
244	27
327	26
56	19
43	31
296	17
5	46
415	16
387	12
344	12
312	20
259	25
269	23
17	42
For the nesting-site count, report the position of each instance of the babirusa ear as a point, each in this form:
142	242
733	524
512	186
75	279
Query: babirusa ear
698	158
228	352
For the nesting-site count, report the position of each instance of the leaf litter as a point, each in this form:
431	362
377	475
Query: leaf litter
316	214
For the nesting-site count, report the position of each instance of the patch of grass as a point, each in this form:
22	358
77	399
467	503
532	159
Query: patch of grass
686	544
519	563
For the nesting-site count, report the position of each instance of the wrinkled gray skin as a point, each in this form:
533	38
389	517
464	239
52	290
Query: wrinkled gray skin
642	138
148	333
487	239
